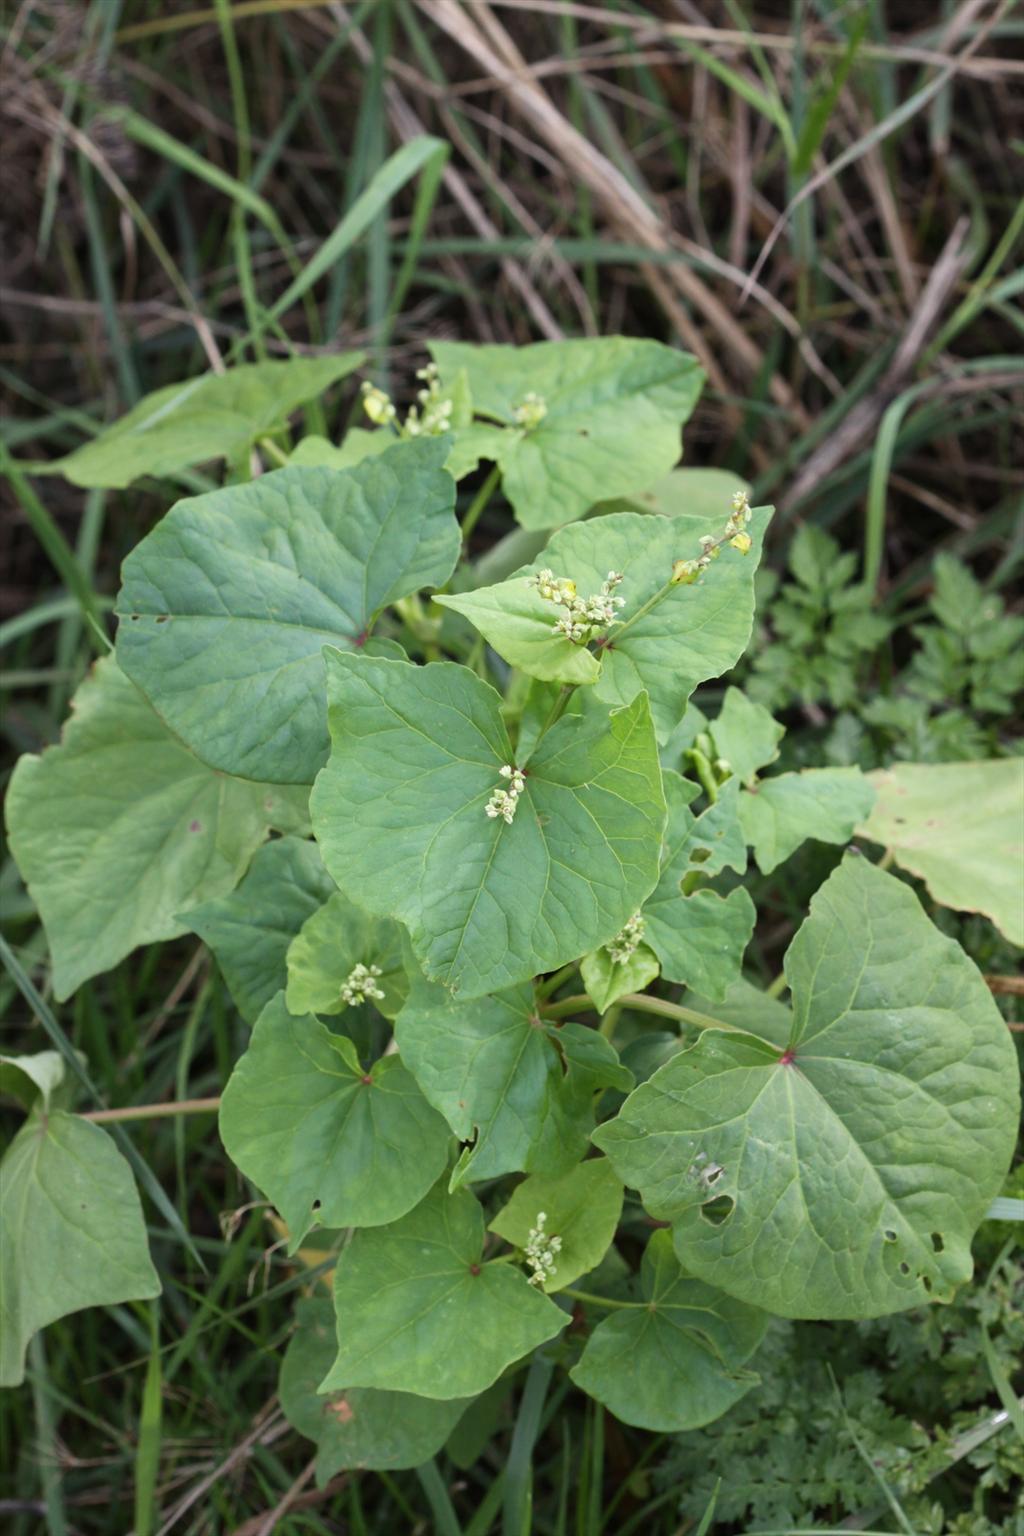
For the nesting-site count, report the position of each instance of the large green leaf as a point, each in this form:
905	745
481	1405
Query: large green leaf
420	1311
845	1175
361	1429
250	930
524	1088
958	826
71	1230
399	812
216	416
778	814
329	1141
580	1208
226	606
689	633
119	829
699	938
676	1361
613	409
611	423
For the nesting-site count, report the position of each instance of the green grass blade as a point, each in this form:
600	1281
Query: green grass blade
147	1460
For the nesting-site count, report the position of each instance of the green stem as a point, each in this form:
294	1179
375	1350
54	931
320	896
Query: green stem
640	1002
273	452
155	1111
778	986
704	772
609	1021
544	989
602	1301
480	501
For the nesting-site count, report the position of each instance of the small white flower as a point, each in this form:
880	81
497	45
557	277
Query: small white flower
530	411
503	802
361	984
541	1251
625	944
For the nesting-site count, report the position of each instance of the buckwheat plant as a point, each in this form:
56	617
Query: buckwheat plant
338	724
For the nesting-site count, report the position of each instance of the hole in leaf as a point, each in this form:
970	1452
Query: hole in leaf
583	431
889	1235
926	1282
316	1206
162	618
904	1268
718	1210
937	1242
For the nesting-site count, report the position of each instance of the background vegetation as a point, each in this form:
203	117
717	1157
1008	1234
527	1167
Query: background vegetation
823	201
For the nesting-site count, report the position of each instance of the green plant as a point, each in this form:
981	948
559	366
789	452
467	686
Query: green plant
488	759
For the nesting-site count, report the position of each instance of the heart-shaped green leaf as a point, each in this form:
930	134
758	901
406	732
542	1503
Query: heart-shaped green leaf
580	1209
362	1429
606	417
217	416
675	1361
226	606
326	1139
418	1293
71	1230
844	1175
400	815
523	1087
119	829
250	930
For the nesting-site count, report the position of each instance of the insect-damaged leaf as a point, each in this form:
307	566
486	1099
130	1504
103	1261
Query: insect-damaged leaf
417	1293
330	1141
226	606
678	1361
845	1174
361	1428
610	424
523	1087
400	814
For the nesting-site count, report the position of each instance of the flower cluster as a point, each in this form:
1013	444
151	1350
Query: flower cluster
582	614
530	411
625	943
361	984
429	417
503	802
685	572
541	1251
